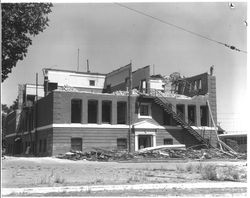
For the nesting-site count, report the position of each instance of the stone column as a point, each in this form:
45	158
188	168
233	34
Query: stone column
114	112
99	113
198	115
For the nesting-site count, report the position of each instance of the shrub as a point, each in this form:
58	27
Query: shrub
209	172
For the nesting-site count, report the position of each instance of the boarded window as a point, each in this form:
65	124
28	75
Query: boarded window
92	111
168	141
204	115
121	143
144	110
121	112
92	83
192	114
106	112
76	144
76	111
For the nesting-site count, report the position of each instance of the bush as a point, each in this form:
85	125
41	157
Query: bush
209	172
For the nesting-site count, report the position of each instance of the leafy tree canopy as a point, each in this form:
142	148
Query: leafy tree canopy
20	22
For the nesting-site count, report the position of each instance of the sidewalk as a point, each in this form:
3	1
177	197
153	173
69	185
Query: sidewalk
161	186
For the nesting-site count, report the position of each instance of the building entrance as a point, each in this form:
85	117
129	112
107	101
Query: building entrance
145	141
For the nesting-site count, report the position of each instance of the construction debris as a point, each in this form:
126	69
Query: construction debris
156	153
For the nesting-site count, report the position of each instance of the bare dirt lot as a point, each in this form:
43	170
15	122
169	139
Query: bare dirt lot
47	171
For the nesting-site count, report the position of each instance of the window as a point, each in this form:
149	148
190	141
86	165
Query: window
168	141
108	89
76	144
40	146
166	118
44	145
92	111
121	143
181	111
204	115
121	112
144	110
192	114
200	84
106	111
76	111
91	83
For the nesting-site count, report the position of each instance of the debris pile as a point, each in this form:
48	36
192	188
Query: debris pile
96	154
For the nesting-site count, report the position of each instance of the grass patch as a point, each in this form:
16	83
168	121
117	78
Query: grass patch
51	179
226	173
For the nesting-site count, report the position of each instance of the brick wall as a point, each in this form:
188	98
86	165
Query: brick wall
45	110
91	137
212	97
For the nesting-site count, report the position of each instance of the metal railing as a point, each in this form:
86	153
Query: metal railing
178	116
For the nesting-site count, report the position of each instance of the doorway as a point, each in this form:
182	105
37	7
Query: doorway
145	141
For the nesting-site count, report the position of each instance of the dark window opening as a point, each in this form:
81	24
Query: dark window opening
204	115
168	141
145	141
106	111
121	143
30	100
121	112
143	87
52	86
180	109
40	145
76	111
166	118
192	114
144	110
92	111
44	145
108	89
91	83
76	144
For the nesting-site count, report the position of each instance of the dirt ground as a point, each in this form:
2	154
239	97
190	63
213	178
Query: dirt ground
48	171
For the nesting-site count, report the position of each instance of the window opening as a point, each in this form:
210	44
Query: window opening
144	110
168	141
91	83
76	144
92	111
121	112
76	111
121	143
106	111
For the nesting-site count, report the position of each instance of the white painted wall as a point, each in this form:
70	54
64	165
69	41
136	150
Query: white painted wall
156	84
31	90
73	79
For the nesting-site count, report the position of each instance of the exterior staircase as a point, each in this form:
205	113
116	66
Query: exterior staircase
178	117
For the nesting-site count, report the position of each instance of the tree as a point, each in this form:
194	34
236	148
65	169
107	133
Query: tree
20	22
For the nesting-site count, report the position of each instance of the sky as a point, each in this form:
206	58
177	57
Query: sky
110	36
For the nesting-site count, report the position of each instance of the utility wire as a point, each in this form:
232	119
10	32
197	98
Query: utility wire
181	28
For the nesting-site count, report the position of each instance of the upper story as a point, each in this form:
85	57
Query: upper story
81	81
69	97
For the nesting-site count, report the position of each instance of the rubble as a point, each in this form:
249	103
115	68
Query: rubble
160	153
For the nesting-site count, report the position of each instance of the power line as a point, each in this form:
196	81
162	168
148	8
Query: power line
181	28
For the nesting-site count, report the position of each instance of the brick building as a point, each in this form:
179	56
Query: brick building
118	110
